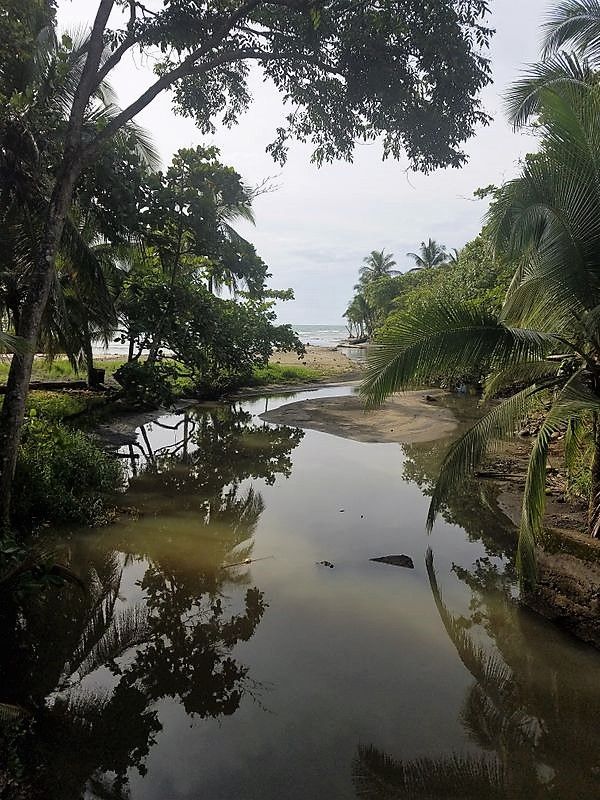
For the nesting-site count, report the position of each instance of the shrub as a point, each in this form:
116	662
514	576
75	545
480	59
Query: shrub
56	406
147	384
62	476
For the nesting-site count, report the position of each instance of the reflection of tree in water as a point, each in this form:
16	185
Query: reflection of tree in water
473	506
532	709
178	643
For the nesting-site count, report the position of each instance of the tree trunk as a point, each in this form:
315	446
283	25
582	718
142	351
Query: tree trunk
36	298
89	360
594	507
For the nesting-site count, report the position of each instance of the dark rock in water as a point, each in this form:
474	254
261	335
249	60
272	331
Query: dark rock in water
395	561
325	564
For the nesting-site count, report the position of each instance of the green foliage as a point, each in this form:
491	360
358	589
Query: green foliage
56	406
366	64
477	279
218	342
62	476
546	222
147	384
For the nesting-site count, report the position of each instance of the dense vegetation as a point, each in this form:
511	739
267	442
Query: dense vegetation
475	275
95	239
544	338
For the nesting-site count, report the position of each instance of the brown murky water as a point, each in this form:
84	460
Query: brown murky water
185	674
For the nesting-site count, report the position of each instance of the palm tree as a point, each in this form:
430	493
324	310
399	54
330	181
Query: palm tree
547	335
378	264
360	316
454	255
430	255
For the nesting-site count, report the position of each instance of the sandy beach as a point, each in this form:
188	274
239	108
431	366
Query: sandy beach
325	359
406	418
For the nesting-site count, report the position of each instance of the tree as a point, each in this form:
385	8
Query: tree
430	255
359	315
365	63
378	264
546	336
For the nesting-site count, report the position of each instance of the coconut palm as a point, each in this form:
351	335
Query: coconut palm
360	316
547	335
378	264
575	23
430	255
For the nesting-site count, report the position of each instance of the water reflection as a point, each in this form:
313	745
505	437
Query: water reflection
534	727
91	668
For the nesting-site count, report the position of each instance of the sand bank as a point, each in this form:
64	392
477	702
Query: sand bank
407	418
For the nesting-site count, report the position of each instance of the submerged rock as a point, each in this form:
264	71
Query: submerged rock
325	564
395	561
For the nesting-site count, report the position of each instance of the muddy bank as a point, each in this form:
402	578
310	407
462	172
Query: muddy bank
409	418
568	587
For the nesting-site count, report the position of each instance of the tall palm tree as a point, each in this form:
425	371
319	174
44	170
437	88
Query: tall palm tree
430	255
547	335
378	264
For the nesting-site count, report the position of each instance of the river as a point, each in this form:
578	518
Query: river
185	673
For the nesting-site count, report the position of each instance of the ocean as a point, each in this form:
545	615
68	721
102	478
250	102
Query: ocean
319	335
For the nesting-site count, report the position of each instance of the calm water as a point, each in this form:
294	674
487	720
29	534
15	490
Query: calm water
178	677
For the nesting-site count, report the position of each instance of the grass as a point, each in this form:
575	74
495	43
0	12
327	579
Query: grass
60	368
282	373
57	406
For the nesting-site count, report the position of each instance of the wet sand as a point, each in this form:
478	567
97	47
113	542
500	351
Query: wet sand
405	417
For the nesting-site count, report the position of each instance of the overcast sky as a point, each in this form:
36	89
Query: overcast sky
316	229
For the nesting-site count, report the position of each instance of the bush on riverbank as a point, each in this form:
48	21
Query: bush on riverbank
62	476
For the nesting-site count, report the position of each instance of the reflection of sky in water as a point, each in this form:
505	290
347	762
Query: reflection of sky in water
357	655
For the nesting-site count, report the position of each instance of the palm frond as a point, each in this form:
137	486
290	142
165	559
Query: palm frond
575	23
13	344
575	399
524	99
445	340
378	776
490	672
524	372
10	712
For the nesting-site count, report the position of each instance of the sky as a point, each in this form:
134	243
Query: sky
316	228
